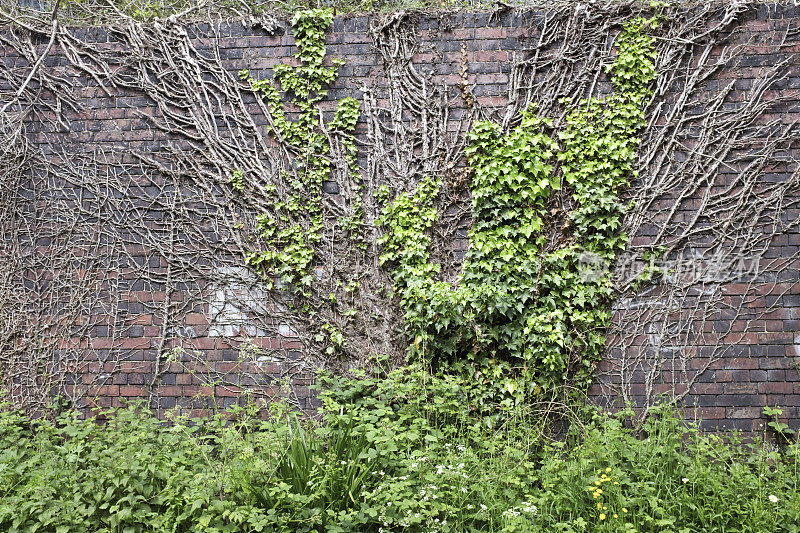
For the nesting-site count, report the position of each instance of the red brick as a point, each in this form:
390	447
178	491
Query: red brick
774	325
225	391
740	388
135	343
743	412
169	390
742	363
136	366
194	319
490	32
707	388
775	387
132	391
710	413
105	390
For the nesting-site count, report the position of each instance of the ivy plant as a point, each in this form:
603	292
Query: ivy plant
525	316
294	227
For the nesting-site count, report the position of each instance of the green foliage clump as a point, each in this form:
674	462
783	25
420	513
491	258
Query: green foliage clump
669	478
600	142
526	314
296	227
405	245
403	452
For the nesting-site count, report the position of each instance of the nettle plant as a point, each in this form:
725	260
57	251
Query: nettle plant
529	310
297	225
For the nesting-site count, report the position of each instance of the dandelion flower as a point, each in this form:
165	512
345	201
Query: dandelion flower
602	516
773	498
624	510
608	469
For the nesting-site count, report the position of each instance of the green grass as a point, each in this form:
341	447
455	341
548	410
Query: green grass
405	453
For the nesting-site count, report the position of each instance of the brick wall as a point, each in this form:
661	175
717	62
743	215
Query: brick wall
757	367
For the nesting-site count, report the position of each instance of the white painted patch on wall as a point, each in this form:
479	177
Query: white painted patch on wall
237	304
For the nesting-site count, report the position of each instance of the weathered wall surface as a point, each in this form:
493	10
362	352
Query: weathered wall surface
740	349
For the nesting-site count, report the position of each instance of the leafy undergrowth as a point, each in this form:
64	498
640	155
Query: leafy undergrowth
403	453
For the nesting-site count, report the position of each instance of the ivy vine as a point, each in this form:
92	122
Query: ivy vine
526	314
296	227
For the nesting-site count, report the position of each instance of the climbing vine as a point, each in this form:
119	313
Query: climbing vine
297	223
529	310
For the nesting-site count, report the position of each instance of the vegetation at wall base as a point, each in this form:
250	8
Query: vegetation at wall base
402	452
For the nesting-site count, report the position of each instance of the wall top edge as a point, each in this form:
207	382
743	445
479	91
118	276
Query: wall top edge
428	19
